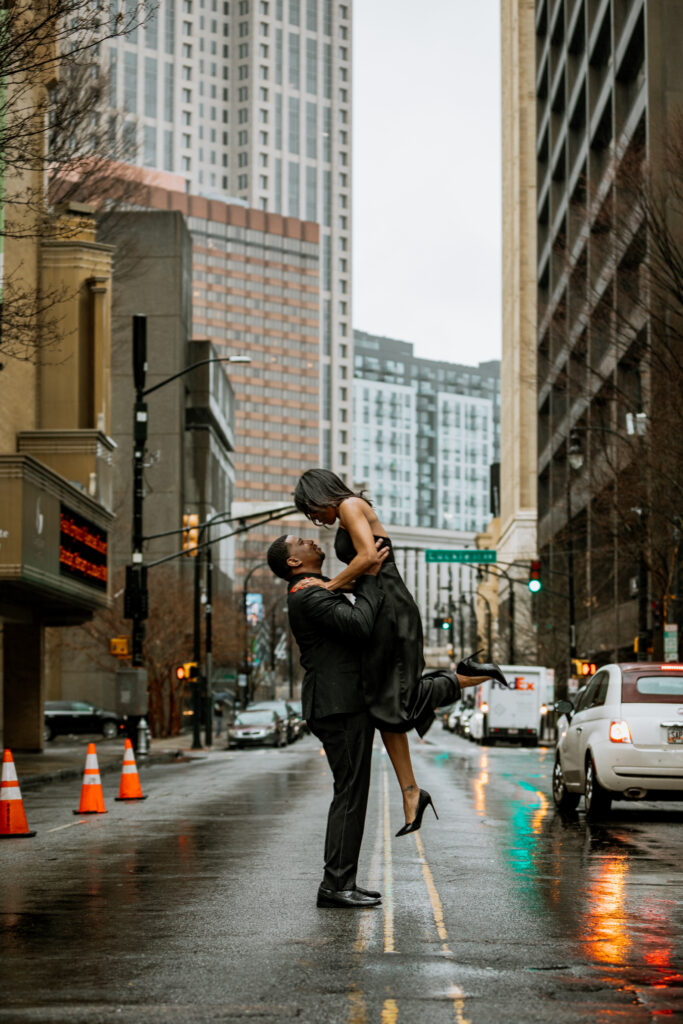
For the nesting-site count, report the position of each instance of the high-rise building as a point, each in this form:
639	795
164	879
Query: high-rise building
252	99
516	525
426	433
608	78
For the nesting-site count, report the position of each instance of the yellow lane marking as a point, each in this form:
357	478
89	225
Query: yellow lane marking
456	993
389	1012
388	897
358	1011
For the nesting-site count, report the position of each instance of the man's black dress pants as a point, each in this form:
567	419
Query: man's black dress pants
347	741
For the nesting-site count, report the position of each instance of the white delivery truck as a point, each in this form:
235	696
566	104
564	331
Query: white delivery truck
516	713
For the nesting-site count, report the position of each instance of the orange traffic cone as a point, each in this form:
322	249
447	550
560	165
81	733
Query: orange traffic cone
130	788
92	797
12	815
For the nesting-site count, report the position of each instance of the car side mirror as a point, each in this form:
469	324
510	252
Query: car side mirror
564	707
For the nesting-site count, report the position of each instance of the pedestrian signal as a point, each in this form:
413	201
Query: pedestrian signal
535	583
587	668
190	534
188	670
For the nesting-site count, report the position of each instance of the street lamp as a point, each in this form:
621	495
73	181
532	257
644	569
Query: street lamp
136	595
247	670
574	462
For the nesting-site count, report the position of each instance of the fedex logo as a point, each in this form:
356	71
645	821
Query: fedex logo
518	683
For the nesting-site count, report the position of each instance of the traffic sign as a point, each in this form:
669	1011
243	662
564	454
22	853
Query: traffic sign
468	555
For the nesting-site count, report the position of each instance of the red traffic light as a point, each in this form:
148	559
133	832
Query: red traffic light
180	672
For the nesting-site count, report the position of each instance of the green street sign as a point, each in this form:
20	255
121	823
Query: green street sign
470	555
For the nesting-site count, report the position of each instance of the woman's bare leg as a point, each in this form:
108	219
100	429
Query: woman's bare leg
397	748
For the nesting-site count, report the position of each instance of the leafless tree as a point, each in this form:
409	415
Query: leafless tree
59	141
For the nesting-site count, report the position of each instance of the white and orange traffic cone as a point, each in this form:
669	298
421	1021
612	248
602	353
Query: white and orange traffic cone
13	821
92	797
130	788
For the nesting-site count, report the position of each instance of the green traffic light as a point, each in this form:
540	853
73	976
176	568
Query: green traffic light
535	586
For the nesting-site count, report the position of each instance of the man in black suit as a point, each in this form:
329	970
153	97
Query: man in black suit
330	631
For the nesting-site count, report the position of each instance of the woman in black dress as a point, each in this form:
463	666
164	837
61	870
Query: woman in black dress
398	695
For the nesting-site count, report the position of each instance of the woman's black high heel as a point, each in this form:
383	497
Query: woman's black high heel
469	667
424	801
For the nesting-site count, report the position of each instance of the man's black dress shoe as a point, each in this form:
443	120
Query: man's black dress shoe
352	899
368	892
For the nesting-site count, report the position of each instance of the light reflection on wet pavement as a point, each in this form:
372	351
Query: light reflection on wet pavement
199	905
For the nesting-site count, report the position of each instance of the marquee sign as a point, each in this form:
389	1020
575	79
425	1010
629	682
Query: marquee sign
82	549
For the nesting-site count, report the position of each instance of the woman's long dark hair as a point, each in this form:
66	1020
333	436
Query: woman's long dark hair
318	489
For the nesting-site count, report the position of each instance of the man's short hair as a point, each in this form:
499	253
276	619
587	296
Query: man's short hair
277	556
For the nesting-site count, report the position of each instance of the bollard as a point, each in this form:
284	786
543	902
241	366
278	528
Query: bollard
143	742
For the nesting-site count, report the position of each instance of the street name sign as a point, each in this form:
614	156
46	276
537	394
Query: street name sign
471	555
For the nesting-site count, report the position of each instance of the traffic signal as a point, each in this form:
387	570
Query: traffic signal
190	534
587	668
186	671
535	576
446	623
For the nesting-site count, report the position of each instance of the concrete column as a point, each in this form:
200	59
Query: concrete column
23	686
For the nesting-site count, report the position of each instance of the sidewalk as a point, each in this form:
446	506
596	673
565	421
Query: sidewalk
64	758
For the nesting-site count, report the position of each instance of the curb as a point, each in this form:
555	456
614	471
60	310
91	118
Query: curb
66	774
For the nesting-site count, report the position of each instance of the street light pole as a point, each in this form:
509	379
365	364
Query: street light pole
574	461
247	667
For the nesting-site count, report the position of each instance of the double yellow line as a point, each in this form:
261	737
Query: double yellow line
358	1012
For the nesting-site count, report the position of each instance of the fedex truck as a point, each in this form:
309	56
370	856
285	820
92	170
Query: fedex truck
516	713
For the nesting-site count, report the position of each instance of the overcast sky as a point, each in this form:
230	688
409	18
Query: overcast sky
426	138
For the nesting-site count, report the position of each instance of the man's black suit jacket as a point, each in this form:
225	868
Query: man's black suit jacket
330	632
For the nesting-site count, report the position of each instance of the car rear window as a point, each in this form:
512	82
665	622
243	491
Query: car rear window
664	689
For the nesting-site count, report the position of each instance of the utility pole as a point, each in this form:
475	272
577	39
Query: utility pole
136	596
208	647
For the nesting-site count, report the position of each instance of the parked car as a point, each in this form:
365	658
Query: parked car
285	711
443	714
64	717
624	739
255	726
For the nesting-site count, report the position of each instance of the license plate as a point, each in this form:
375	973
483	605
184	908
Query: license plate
513	732
676	734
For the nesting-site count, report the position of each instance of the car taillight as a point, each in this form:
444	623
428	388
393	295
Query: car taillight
619	732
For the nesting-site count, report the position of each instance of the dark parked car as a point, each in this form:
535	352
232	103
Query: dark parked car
64	717
256	726
285	711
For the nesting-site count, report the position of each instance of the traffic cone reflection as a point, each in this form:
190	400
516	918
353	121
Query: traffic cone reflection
13	821
130	788
92	797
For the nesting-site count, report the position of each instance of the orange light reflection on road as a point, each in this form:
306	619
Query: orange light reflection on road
606	937
541	813
480	784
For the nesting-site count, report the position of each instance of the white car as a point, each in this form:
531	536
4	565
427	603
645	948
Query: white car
624	740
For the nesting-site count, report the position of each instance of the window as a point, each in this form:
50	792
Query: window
263	74
241	181
152	30
343	96
168	150
343	223
149	151
294	12
187	95
187	117
263	7
293	189
263	51
242	137
263	95
294	132
311	194
242	159
243	117
243	93
343	11
278	56
293	54
130	82
169	28
264	28
263	138
343	180
244	7
311	65
311	130
327	71
187	51
263	181
243	50
343	266
312	15
343	53
263	159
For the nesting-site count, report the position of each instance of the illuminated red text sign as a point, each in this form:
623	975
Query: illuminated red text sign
82	549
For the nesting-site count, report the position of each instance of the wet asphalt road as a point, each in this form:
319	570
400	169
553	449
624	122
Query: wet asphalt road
198	905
